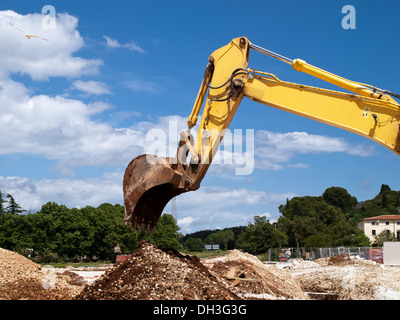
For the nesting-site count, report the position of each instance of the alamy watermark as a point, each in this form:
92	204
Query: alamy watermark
50	277
349	20
49	20
236	147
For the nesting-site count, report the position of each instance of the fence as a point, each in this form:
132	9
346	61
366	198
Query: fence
283	254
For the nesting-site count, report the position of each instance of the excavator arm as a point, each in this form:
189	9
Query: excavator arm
151	181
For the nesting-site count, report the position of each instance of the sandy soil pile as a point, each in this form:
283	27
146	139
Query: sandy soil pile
20	278
151	273
344	277
246	276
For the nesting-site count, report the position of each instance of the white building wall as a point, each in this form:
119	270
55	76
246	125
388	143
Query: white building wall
391	253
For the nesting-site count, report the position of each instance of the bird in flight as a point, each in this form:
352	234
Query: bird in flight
28	36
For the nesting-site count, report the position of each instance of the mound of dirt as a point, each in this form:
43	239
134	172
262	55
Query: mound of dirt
20	278
151	273
345	260
246	276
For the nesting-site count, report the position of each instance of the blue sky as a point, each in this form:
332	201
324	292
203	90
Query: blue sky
76	109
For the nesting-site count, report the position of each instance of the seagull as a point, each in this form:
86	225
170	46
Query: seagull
28	36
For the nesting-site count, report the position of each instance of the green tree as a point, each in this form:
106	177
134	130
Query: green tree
384	188
360	239
203	234
226	236
340	198
312	222
73	235
43	229
385	235
384	201
166	235
2	201
194	244
10	231
260	236
221	237
13	207
109	230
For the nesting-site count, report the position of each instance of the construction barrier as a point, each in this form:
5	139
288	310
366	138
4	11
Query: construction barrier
284	254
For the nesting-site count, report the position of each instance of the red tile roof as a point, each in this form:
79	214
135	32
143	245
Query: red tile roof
384	217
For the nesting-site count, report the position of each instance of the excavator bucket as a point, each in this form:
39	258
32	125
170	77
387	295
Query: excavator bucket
150	182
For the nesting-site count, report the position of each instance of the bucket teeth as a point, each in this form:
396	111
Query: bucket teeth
147	228
141	226
133	225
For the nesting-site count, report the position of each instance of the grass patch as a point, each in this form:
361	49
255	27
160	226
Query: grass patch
206	253
97	263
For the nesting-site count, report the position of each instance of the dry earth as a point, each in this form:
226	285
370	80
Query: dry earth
22	279
151	273
346	277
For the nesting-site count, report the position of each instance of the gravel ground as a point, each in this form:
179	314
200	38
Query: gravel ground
151	273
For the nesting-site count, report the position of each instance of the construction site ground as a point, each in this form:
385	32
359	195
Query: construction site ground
153	274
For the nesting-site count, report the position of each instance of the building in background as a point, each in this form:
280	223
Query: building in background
373	226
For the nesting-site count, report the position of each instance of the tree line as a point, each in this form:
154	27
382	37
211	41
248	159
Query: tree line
58	232
328	220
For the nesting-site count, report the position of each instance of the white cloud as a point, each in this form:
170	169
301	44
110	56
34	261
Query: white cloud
186	222
55	127
61	129
111	43
91	87
146	86
42	59
226	207
132	45
304	142
298	165
265	214
273	149
32	194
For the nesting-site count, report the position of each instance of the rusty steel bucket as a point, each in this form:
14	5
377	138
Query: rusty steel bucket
150	182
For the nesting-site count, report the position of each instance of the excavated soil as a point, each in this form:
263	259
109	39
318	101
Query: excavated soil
152	274
22	279
344	277
246	276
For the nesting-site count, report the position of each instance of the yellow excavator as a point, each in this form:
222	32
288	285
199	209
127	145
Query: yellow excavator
150	182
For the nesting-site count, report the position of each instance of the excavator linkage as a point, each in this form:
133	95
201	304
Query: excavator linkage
150	182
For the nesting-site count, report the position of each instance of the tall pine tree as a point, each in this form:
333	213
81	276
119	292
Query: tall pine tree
13	207
2	210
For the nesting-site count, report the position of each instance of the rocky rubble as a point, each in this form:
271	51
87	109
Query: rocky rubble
20	278
246	276
344	277
153	274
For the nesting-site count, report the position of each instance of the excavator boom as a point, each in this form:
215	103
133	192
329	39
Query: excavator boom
150	182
